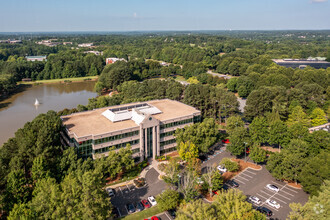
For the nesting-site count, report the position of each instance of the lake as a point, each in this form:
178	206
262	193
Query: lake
20	107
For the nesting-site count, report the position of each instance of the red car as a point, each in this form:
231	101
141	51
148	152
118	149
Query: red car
154	218
248	150
146	203
215	192
225	141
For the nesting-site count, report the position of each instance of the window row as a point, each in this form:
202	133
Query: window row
117	146
163	143
167	150
116	137
167	134
176	123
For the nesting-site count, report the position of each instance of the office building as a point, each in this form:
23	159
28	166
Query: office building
302	63
147	126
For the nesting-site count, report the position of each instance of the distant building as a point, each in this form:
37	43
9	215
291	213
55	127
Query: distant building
303	63
97	53
26	80
66	43
113	60
85	45
147	126
36	58
11	41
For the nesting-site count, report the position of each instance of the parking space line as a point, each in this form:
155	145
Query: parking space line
250	172
271	207
266	193
246	175
283	196
291	190
121	190
240	181
278	199
119	212
287	193
262	196
167	216
278	183
128	187
242	178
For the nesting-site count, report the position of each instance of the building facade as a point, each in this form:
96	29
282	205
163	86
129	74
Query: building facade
147	126
36	58
302	64
111	60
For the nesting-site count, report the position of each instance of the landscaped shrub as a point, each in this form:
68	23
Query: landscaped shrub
231	166
139	182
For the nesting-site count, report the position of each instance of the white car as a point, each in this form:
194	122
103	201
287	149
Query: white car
254	200
152	200
110	192
272	187
222	169
273	203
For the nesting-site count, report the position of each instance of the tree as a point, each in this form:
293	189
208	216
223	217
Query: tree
197	210
232	204
203	135
315	172
169	199
258	130
217	181
317	207
318	117
21	211
242	91
208	177
278	133
257	154
234	122
238	139
298	116
39	169
231	166
172	171
46	198
187	186
187	151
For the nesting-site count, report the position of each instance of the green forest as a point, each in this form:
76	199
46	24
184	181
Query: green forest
40	178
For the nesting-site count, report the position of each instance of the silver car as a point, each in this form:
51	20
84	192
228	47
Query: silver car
272	187
254	200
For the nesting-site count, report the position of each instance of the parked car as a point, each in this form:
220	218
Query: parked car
247	150
146	203
215	192
225	141
130	208
254	200
211	152
203	158
264	210
155	218
273	203
110	192
272	187
232	183
221	169
152	200
139	206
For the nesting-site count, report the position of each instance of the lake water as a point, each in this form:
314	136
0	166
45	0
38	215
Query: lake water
20	107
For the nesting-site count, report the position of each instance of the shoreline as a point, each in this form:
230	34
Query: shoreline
59	81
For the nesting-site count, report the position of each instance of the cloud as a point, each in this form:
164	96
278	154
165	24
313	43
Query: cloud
318	1
135	14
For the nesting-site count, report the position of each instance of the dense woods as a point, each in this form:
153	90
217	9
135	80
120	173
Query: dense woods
39	177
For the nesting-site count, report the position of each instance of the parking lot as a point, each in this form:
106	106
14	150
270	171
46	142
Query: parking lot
130	194
253	183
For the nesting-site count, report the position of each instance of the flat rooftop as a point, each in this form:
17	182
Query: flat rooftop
94	123
298	61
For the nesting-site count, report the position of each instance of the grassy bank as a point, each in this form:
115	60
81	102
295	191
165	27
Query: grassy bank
143	214
63	80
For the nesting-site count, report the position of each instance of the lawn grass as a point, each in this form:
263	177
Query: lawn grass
143	214
76	79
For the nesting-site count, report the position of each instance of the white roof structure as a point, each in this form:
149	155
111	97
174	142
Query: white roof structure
135	113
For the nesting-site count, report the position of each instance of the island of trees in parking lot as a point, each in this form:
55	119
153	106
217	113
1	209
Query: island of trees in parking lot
41	179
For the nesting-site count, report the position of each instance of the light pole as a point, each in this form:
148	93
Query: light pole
245	151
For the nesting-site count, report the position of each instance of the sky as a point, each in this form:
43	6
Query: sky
158	15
